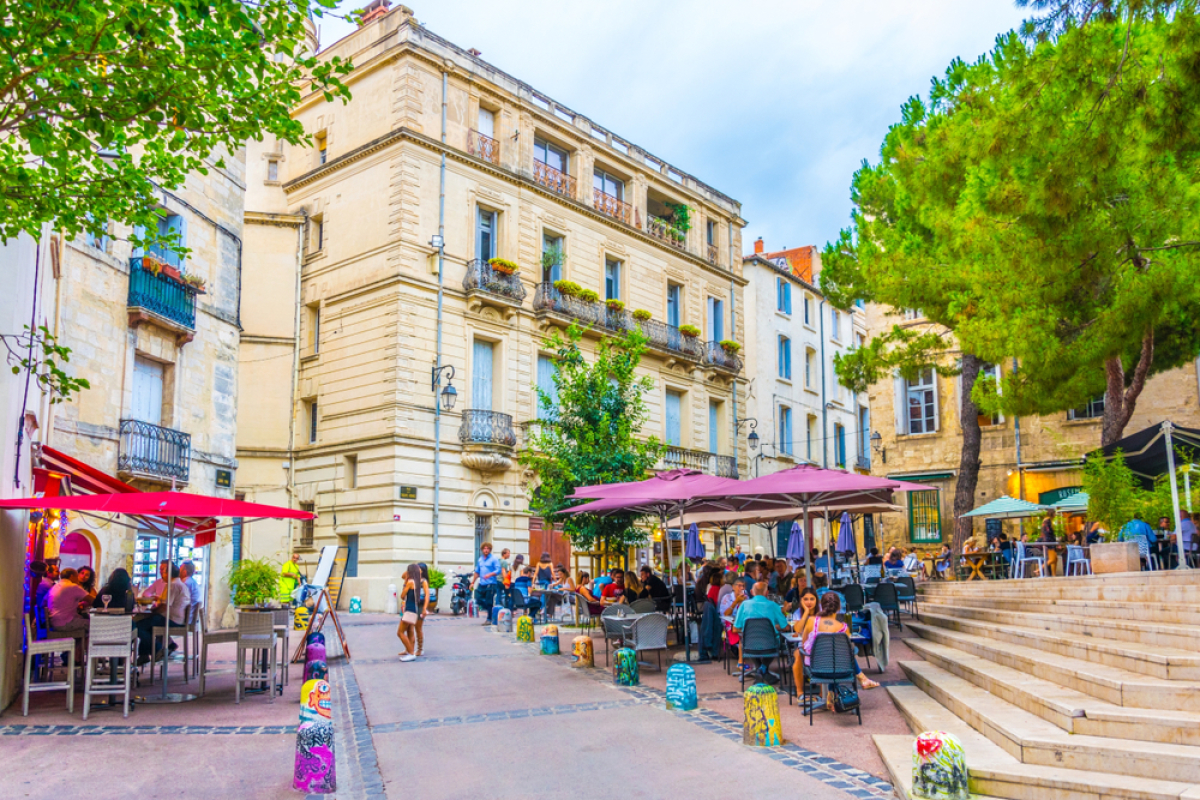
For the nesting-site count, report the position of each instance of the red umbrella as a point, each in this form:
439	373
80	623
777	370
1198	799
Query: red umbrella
169	506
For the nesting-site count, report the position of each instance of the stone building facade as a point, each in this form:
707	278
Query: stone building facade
921	440
523	176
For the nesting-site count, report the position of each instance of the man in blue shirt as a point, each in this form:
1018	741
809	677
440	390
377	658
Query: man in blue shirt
758	607
1137	529
487	573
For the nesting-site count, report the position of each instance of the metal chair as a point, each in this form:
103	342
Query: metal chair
870	571
906	593
47	647
1077	562
256	632
208	637
854	596
643	606
650	633
830	663
109	638
889	600
1022	559
760	640
188	631
612	627
283	622
1147	554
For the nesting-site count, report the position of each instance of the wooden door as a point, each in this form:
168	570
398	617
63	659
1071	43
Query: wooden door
548	540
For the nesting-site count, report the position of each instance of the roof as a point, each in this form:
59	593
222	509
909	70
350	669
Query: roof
798	259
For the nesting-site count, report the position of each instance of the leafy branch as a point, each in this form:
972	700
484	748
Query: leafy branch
38	353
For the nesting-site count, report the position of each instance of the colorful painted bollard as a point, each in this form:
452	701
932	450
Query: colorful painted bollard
314	652
300	618
472	610
316	670
550	640
494	614
762	727
316	637
582	652
625	667
939	767
355	605
314	772
504	621
524	629
681	688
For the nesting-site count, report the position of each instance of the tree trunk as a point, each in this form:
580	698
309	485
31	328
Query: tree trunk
1121	401
968	465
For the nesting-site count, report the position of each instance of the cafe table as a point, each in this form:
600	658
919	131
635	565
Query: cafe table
976	562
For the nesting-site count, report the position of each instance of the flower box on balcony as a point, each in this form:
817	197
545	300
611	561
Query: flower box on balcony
689	330
588	296
615	305
504	266
730	346
568	288
642	315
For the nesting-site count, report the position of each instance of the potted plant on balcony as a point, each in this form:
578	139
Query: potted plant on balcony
152	264
690	331
195	282
588	296
642	315
731	347
172	272
253	582
615	306
568	288
503	266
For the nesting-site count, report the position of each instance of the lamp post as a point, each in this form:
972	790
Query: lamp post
877	446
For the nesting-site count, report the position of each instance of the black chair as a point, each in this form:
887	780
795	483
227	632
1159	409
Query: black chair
760	641
855	597
889	600
831	663
906	593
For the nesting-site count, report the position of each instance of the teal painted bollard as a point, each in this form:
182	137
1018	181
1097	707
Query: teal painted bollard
681	688
625	667
550	640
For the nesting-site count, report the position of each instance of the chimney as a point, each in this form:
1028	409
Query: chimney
374	11
758	246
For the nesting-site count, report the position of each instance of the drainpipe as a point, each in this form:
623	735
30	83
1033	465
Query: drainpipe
290	486
824	410
437	406
733	332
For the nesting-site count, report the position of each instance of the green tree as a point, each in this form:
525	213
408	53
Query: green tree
588	435
103	100
1113	495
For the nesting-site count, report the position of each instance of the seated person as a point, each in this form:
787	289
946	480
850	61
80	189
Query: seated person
942	563
598	586
562	584
653	586
758	607
826	623
585	588
118	589
913	563
1094	533
893	560
631	588
1005	547
164	608
874	558
522	586
791	600
614	591
66	598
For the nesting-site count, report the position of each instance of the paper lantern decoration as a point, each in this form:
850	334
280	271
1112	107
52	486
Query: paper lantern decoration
300	618
582	652
550	640
681	688
940	767
524	629
504	621
625	667
314	772
355	605
762	727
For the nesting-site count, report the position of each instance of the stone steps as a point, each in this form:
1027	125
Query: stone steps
1176	636
1159	613
1173	586
1069	710
997	773
1115	685
1152	660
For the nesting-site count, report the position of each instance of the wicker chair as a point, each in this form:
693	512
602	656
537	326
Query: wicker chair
188	631
47	647
643	606
830	663
283	627
109	638
650	633
759	640
256	632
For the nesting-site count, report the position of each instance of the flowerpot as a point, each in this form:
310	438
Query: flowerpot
171	272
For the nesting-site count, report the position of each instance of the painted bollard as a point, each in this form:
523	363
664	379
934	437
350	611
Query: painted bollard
355	605
939	767
300	618
762	727
316	637
550	640
504	621
681	688
472	611
494	614
582	652
314	652
625	667
524	629
314	772
316	670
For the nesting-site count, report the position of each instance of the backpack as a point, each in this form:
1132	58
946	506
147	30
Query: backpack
845	698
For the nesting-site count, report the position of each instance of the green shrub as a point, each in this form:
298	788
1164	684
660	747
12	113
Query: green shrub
730	346
615	305
253	581
437	578
568	288
588	296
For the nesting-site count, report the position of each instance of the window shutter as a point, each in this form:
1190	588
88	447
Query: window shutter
937	404
901	405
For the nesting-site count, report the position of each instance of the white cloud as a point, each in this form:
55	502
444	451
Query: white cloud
772	102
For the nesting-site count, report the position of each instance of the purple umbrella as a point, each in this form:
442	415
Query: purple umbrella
693	548
796	546
845	540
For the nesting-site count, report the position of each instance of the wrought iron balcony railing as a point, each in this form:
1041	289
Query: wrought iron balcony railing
710	463
483	277
483	147
597	314
487	427
611	206
153	451
659	228
717	356
161	295
862	462
552	179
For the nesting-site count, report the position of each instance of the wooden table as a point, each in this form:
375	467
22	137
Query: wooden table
976	562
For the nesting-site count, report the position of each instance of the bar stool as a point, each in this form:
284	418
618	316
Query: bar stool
256	632
208	637
109	638
47	647
283	626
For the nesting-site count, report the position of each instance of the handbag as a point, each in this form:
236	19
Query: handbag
845	698
410	617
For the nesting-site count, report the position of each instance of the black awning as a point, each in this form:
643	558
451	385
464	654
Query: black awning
1146	451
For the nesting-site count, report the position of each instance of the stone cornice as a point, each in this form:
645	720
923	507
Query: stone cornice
277	220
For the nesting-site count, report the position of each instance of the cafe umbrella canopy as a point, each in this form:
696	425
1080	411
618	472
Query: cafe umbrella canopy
162	511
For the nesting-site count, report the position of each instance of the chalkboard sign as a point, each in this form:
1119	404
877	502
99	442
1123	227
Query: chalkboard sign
994	528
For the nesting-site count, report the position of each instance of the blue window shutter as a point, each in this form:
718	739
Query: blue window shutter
712	427
674	436
139	232
481	376
545	381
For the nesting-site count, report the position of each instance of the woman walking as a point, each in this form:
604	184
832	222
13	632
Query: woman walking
409	616
422	606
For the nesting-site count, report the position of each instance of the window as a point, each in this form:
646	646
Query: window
839	445
312	421
922	403
609	185
551	156
487	123
812	439
482	362
350	471
911	314
992	370
674	427
783	295
864	433
552	266
147	391
810	361
808	309
674	304
485	234
714	426
546	370
318	232
710	232
924	517
612	279
836	323
308	526
322	150
785	430
716	319
314	329
172	236
785	358
97	240
1094	409
273	170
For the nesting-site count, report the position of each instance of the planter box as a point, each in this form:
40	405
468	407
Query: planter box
1115	557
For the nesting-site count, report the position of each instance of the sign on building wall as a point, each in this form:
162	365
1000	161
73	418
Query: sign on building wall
408	493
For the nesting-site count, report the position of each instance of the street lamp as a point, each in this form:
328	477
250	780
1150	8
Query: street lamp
877	446
752	439
449	393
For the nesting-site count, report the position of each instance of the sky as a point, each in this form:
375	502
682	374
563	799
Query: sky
775	103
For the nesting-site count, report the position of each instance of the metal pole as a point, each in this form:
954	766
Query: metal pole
1166	428
437	406
824	410
166	613
1187	486
808	576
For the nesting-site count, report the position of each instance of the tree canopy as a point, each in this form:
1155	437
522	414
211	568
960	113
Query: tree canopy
588	435
102	100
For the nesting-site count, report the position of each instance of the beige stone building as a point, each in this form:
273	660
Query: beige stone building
1034	458
349	305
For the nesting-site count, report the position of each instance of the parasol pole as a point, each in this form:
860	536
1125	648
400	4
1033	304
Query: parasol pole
808	576
167	612
1166	427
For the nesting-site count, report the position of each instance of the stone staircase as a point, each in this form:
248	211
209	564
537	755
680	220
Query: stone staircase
1059	688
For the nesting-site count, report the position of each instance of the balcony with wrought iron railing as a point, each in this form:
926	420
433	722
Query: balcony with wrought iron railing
167	298
153	452
717	356
486	279
663	230
668	338
613	207
710	463
552	179
483	147
862	462
488	438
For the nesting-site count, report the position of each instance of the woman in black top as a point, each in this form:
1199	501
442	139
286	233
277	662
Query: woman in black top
409	611
422	606
545	571
118	587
